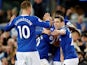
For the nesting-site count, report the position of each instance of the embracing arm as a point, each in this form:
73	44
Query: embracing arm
59	32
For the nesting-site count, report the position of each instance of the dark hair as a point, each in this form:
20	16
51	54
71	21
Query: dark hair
58	12
84	33
76	30
81	53
25	4
60	17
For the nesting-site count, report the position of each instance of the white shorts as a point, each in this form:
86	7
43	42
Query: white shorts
44	62
57	63
73	61
27	58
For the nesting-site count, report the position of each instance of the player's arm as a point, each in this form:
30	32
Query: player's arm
59	32
67	21
69	24
41	23
68	13
45	24
43	31
10	25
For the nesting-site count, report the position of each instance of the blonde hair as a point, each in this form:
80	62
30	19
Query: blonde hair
25	4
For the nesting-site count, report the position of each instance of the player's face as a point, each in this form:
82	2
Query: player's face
29	10
57	23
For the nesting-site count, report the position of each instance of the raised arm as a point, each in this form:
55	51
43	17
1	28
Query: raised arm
41	23
10	25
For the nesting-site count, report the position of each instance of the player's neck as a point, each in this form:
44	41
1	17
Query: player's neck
24	12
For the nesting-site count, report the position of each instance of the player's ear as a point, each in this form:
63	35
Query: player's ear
62	22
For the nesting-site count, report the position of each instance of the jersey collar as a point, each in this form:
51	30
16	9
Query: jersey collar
24	15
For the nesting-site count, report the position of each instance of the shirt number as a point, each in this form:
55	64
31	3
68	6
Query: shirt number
22	31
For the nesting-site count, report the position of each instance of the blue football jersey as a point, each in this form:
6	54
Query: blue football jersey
25	26
56	57
43	45
66	42
67	21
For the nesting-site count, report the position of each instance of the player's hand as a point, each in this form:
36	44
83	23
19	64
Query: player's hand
55	32
69	11
12	17
46	31
47	17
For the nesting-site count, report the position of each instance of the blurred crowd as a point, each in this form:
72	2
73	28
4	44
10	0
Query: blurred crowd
75	14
